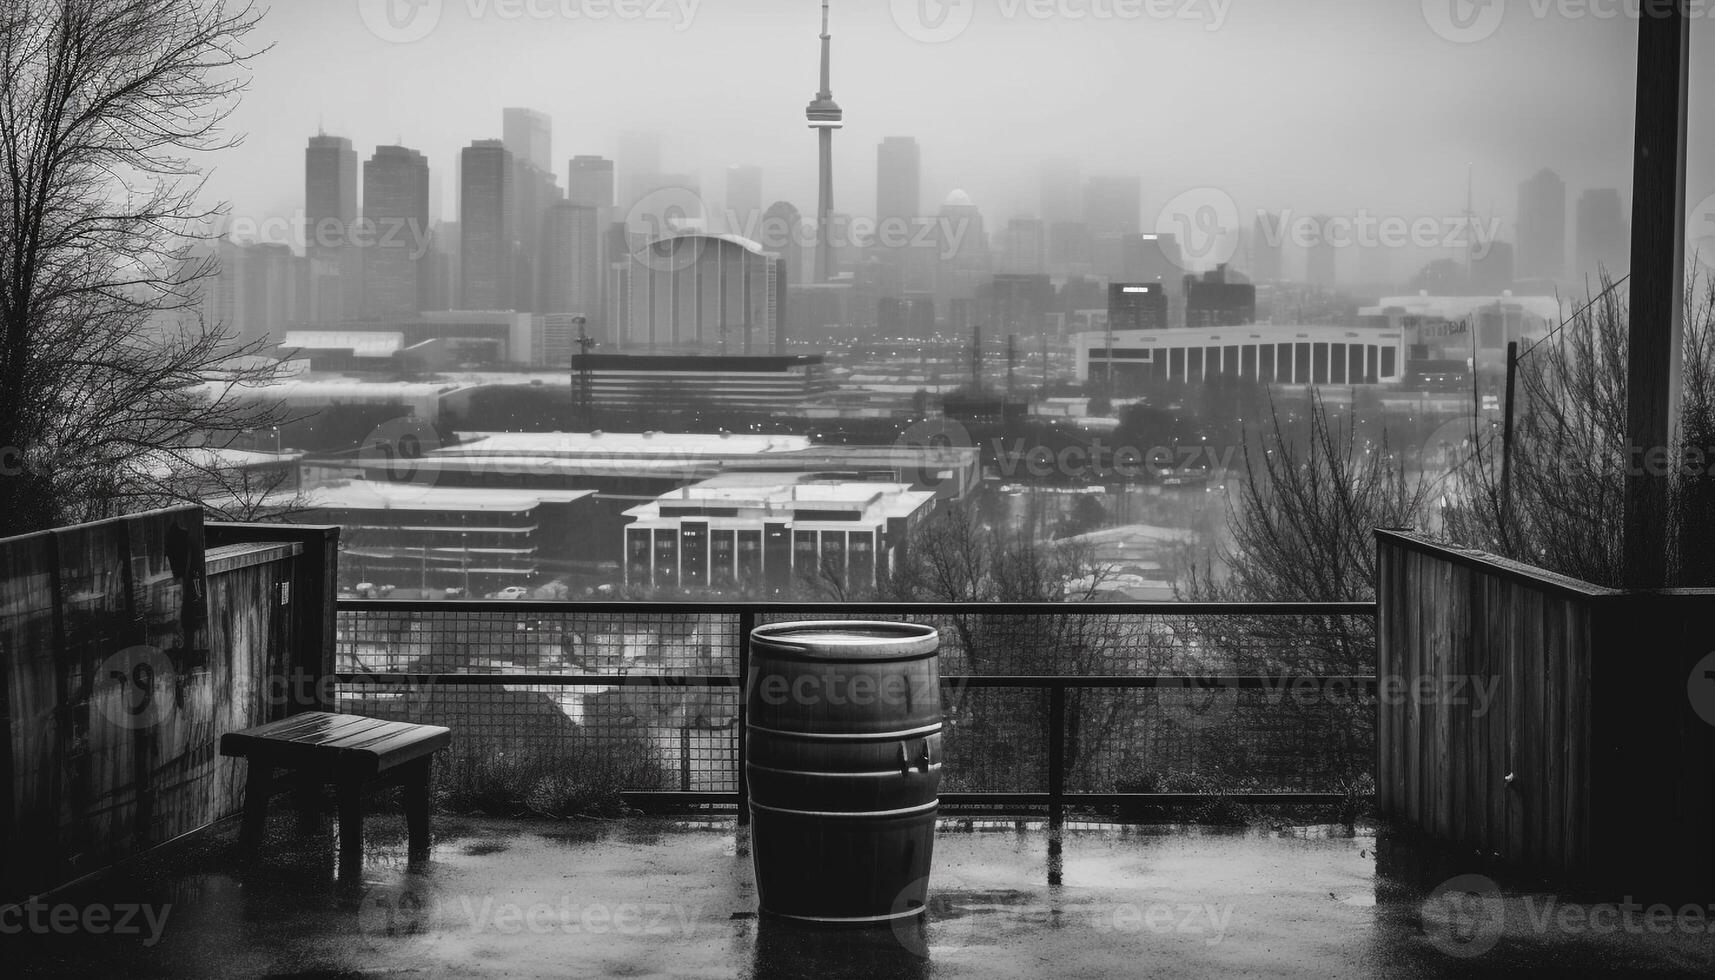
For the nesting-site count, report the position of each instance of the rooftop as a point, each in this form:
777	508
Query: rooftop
621	444
668	897
381	495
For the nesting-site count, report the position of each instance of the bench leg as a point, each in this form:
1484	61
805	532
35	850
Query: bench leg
416	778
350	828
258	787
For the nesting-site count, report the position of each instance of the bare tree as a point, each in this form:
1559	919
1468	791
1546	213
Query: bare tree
1302	531
956	557
1569	458
103	104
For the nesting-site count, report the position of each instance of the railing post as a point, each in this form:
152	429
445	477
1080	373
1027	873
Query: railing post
746	623
1056	753
685	759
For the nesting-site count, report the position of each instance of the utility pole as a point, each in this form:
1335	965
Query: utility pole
585	378
1656	324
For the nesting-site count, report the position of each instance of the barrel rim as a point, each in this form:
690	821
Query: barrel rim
911	640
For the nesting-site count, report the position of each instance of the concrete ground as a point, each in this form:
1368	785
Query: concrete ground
664	897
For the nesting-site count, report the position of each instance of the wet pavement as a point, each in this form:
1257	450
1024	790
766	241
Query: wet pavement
666	897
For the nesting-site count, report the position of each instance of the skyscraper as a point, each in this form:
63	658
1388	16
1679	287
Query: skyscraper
825	116
639	164
898	180
743	200
1025	249
589	182
1114	205
570	266
1265	248
1541	227
330	212
529	137
1113	209
782	232
487	227
1604	243
396	223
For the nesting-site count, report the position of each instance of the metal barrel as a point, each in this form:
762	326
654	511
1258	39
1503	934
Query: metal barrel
843	759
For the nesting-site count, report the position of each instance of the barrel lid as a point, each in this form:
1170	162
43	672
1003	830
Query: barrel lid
837	639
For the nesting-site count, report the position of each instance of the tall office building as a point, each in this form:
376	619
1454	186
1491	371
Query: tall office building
1541	227
743	200
1025	247
1265	243
1214	300
898	180
487	226
330	212
396	220
1113	209
529	137
589	182
1114	205
570	267
639	164
534	192
783	233
1137	306
963	261
825	116
1151	258
1604	235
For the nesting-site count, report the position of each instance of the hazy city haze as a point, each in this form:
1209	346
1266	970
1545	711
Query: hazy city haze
1314	107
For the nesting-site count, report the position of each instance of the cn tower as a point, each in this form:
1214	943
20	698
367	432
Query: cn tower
825	117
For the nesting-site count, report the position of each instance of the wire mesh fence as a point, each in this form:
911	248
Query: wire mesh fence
651	693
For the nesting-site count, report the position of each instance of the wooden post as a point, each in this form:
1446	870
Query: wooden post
1657	297
316	592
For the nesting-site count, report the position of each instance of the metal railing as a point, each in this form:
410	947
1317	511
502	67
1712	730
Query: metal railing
670	677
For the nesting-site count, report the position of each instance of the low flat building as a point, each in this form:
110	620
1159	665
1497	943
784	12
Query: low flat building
418	535
1271	354
764	383
756	532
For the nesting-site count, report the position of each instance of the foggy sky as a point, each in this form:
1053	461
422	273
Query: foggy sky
1312	105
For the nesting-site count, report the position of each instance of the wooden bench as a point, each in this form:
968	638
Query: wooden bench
351	752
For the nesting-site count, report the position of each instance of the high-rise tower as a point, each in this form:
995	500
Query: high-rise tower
825	116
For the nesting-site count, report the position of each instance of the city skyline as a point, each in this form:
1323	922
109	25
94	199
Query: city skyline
1505	146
